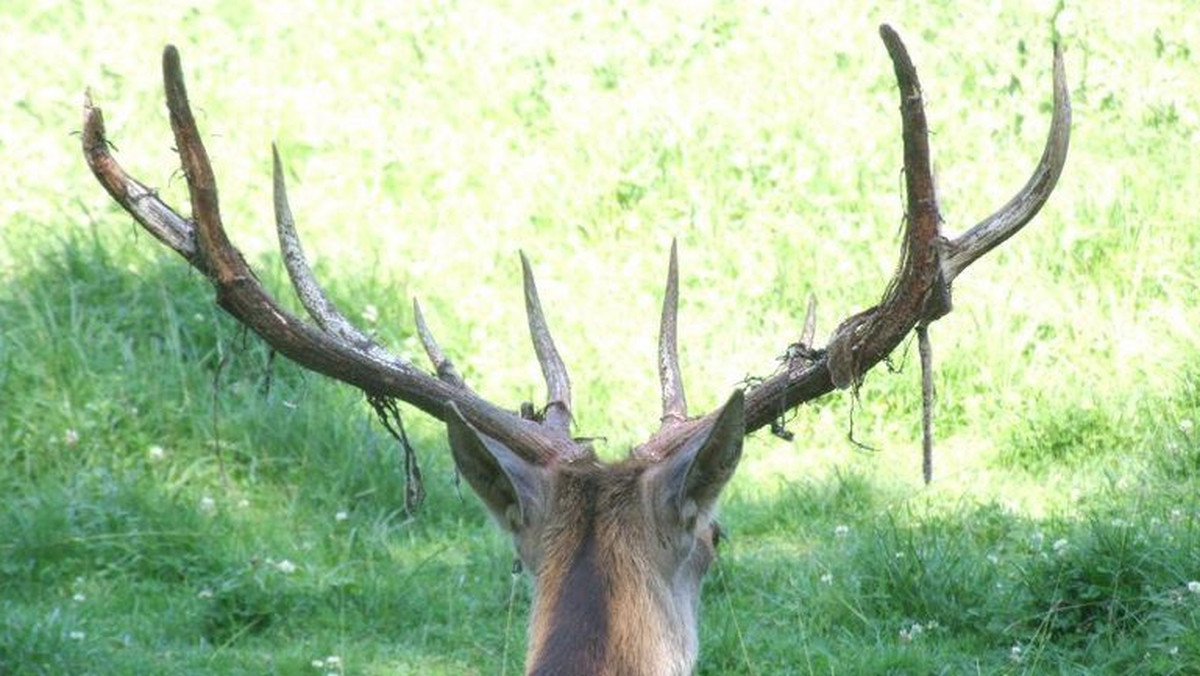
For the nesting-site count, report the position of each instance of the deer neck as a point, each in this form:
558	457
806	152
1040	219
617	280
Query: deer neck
606	616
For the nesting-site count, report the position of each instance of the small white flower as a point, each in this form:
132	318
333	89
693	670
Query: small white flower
841	531
1015	653
899	555
79	598
71	437
1173	650
1194	586
827	578
993	559
286	567
77	635
1185	425
1176	514
333	661
1060	546
205	593
370	314
243	503
157	453
341	515
207	504
318	664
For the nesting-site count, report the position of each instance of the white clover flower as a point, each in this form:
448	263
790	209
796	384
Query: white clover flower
1185	425
1060	546
993	559
333	661
71	437
207	504
1194	586
205	593
286	567
1176	514
341	515
77	635
827	578
156	452
1015	653
841	531
370	314
318	664
1173	650
79	597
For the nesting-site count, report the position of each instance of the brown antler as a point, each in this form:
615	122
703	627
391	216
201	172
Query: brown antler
919	293
333	347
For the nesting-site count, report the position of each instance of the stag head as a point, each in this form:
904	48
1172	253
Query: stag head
617	551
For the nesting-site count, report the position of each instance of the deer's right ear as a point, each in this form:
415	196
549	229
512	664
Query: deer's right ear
513	489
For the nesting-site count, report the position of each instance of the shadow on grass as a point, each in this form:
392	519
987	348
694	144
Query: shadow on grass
247	530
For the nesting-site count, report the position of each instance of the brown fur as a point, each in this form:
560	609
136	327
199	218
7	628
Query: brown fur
617	582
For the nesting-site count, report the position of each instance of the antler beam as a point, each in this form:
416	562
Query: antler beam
333	347
919	293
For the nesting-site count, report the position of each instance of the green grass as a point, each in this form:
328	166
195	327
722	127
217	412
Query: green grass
148	526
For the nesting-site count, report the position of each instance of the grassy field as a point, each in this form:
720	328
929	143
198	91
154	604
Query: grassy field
165	511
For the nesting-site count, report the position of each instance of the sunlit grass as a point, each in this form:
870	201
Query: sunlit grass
425	144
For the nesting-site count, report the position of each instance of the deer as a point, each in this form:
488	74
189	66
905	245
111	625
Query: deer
617	551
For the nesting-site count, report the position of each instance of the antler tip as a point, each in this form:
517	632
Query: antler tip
171	59
276	162
93	123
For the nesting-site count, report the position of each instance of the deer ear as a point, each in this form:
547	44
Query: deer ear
689	482
512	488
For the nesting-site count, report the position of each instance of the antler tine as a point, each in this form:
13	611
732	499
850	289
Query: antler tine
558	385
1010	218
339	351
137	199
919	292
441	363
310	292
810	323
674	402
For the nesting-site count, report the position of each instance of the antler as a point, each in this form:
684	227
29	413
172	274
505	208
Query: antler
918	294
333	346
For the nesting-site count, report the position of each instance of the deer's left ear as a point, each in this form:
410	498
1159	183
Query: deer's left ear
689	482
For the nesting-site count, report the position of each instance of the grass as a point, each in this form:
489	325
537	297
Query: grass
149	525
